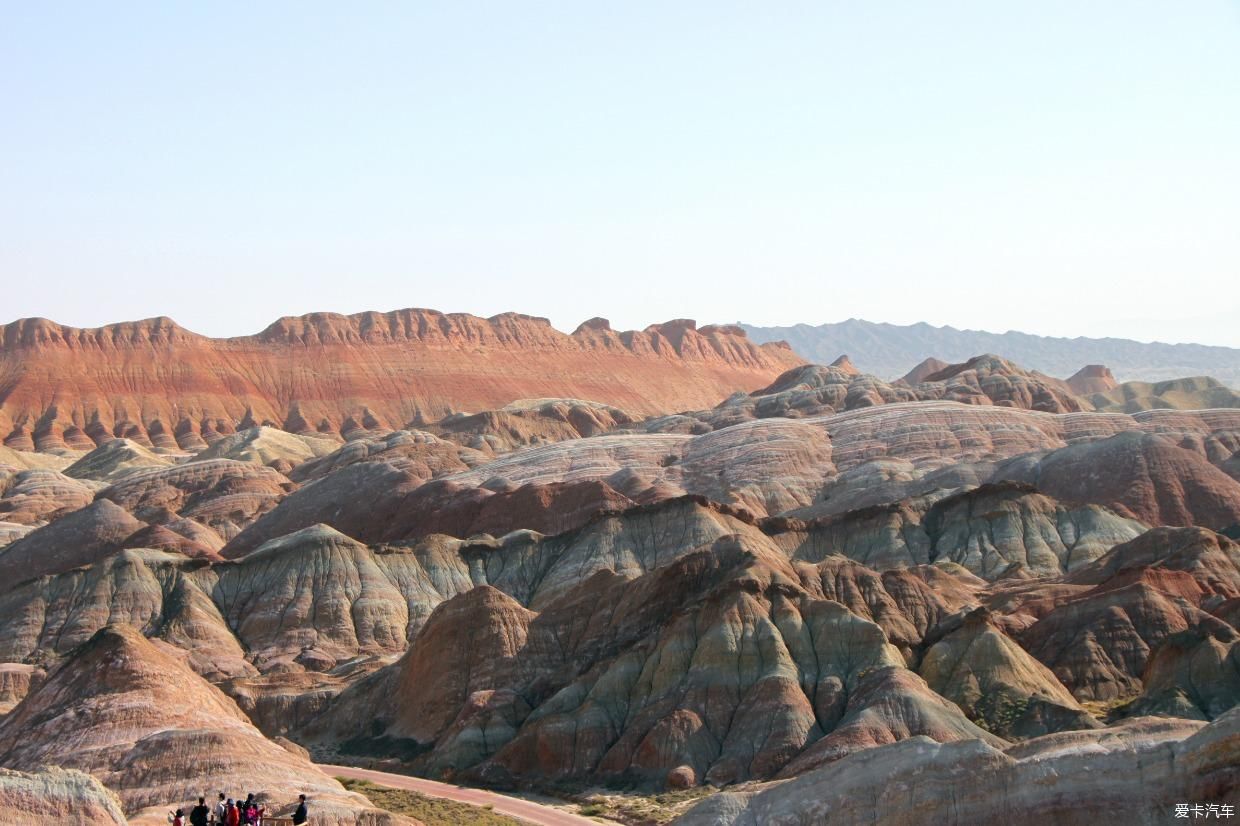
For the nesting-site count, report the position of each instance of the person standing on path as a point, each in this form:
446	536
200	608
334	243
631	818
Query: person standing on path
300	816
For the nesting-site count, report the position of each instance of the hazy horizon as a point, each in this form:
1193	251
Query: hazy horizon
569	328
1058	170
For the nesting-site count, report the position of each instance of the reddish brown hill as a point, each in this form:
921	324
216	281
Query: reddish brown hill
1092	378
158	383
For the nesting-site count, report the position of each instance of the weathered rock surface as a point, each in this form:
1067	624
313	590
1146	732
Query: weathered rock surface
37	496
988	531
725	662
1144	476
208	501
316	598
114	459
531	422
16	680
266	446
558	591
1003	383
57	796
814	390
1193	674
135	717
998	684
924	370
82	537
467	645
1196	393
767	466
1134	773
1098	640
24	459
420	454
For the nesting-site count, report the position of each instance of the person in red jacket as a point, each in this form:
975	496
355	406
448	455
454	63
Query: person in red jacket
232	815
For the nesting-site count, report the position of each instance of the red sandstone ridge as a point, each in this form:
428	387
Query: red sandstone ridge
156	383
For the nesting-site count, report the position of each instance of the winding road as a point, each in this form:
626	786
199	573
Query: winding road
517	807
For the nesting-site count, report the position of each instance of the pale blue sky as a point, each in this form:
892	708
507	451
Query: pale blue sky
1055	167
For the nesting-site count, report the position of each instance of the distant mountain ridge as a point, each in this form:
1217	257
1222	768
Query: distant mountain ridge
891	350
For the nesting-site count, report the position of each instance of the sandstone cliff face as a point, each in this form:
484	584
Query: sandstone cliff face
164	386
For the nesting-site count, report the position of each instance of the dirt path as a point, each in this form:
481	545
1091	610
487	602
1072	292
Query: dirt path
503	804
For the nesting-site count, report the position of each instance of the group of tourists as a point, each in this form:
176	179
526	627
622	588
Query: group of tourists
229	812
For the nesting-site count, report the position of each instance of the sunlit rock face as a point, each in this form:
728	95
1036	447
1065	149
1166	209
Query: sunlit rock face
166	388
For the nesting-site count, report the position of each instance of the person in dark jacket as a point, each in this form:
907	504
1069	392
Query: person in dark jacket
200	814
300	816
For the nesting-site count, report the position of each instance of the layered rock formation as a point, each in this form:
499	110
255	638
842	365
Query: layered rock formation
1136	773
80	538
163	386
745	668
982	670
151	730
35	497
114	459
58	796
552	591
812	467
